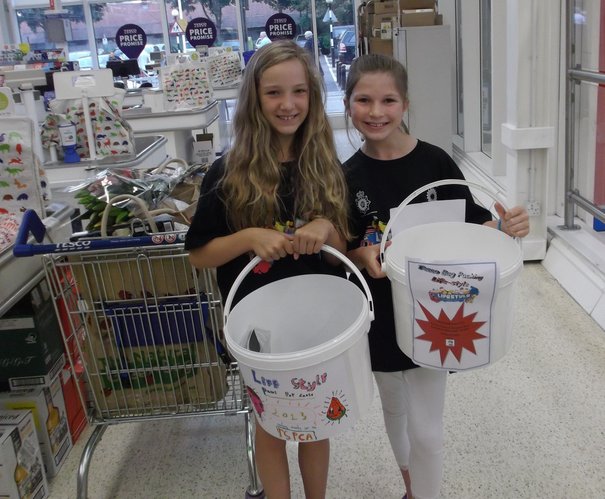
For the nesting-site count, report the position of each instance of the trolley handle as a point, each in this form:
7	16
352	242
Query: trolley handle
328	249
420	190
31	223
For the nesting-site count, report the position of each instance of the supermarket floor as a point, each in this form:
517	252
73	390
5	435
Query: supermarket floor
530	426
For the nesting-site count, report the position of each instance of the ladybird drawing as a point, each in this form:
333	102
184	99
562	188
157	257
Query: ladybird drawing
336	410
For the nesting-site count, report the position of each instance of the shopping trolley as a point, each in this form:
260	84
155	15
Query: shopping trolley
142	328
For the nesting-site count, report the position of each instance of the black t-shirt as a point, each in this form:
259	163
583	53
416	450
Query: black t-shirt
211	221
376	186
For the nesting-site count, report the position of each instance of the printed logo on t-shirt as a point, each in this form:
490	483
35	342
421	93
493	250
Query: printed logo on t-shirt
373	233
362	202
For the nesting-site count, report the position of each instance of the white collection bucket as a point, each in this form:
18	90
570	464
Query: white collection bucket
453	286
307	365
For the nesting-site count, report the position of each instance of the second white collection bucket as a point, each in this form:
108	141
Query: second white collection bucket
302	348
453	286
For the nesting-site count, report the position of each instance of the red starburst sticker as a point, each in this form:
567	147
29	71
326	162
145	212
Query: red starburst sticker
450	335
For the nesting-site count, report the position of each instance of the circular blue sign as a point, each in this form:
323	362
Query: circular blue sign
201	31
280	27
131	39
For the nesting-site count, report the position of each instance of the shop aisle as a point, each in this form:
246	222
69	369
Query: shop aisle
530	426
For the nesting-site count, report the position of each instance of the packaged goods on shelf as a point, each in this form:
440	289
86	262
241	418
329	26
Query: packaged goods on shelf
23	475
32	345
48	408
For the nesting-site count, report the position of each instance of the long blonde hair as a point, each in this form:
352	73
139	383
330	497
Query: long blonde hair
252	169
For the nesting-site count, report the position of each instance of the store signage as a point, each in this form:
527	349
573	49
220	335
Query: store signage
280	27
131	39
201	31
176	29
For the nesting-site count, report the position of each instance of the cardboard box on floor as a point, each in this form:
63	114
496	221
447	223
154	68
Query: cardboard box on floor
22	473
31	340
48	409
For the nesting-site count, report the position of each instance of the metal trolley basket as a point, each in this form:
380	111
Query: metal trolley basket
145	326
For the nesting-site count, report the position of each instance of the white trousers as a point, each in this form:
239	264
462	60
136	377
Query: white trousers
412	405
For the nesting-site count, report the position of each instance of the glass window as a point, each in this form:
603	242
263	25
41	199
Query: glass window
334	18
40	32
221	13
109	17
486	77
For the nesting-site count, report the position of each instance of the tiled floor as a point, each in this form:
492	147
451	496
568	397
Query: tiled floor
530	426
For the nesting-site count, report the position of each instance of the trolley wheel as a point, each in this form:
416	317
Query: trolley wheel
260	495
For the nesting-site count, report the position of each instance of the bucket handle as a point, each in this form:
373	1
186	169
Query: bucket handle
420	190
327	249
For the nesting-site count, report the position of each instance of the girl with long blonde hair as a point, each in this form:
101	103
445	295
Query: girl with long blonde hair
280	194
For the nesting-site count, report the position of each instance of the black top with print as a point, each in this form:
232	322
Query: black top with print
376	186
210	221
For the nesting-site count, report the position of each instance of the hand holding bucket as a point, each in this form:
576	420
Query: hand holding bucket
419	191
453	289
312	376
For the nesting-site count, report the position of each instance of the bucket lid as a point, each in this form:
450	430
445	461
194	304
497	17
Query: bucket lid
446	241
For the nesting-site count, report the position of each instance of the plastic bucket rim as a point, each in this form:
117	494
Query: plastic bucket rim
307	357
506	275
411	196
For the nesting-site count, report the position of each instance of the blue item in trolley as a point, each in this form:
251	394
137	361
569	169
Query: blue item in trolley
31	223
168	321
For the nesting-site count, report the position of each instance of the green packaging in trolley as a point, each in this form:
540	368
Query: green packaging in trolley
152	354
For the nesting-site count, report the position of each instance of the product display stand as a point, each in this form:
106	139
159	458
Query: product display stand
84	85
151	153
175	125
27	98
223	94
